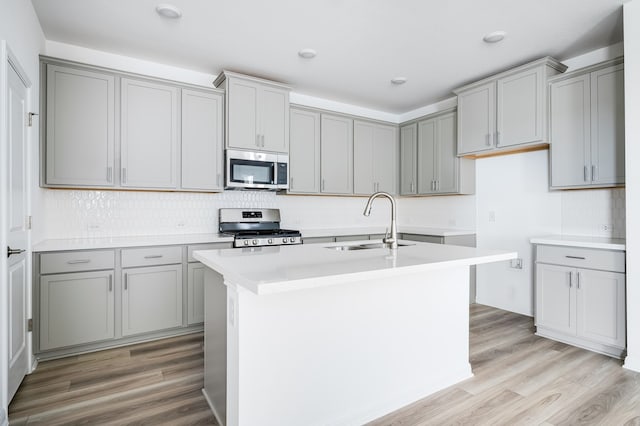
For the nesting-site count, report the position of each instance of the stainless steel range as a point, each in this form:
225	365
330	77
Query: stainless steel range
256	227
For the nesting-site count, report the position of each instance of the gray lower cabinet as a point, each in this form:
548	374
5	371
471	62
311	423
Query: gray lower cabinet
80	128
375	158
195	282
74	298
587	127
86	300
76	308
580	297
151	299
148	134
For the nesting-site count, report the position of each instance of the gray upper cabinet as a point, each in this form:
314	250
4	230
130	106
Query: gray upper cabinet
257	112
304	152
440	171
506	111
202	133
80	128
170	135
375	158
148	134
587	127
408	159
336	154
476	118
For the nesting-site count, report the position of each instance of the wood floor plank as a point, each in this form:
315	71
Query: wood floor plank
519	379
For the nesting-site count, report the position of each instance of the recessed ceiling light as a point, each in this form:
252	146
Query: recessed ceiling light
307	53
494	37
399	80
168	11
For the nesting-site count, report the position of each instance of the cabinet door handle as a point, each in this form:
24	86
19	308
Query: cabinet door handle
497	138
322	185
487	139
586	174
110	282
124	175
262	141
437	185
218	179
109	172
578	280
76	261
570	279
575	257
257	140
411	187
153	256
594	172
126	281
291	182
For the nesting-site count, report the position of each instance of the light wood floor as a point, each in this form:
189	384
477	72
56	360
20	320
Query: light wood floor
519	379
155	383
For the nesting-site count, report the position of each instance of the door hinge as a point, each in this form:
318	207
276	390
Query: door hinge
30	118
30	324
29	219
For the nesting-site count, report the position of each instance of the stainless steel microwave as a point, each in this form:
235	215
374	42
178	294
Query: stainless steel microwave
256	170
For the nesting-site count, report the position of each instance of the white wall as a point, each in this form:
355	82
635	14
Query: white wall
632	134
20	28
514	204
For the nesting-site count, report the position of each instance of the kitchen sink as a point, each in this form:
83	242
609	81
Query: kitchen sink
364	246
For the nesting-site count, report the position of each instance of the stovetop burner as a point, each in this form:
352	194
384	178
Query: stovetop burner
256	227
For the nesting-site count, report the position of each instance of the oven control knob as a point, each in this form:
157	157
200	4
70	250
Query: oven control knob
246	242
270	241
254	242
292	239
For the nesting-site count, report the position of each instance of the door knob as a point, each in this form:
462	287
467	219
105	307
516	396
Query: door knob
11	251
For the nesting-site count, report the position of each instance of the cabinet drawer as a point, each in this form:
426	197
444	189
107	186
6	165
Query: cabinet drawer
75	261
605	260
151	256
212	246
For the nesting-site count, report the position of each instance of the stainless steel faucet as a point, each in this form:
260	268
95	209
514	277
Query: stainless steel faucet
391	240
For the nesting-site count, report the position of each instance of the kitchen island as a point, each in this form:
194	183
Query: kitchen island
328	335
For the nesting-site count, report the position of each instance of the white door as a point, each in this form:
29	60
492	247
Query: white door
16	213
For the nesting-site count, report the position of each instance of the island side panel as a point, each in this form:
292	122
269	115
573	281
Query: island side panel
215	344
346	353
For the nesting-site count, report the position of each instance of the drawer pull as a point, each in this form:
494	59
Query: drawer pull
576	257
153	256
74	262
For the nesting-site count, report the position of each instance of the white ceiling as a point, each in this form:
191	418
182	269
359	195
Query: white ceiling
361	44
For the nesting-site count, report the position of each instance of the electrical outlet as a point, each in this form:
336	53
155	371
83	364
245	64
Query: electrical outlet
516	263
607	227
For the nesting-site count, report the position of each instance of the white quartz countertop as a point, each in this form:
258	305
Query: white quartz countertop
605	243
160	240
266	270
422	230
131	241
